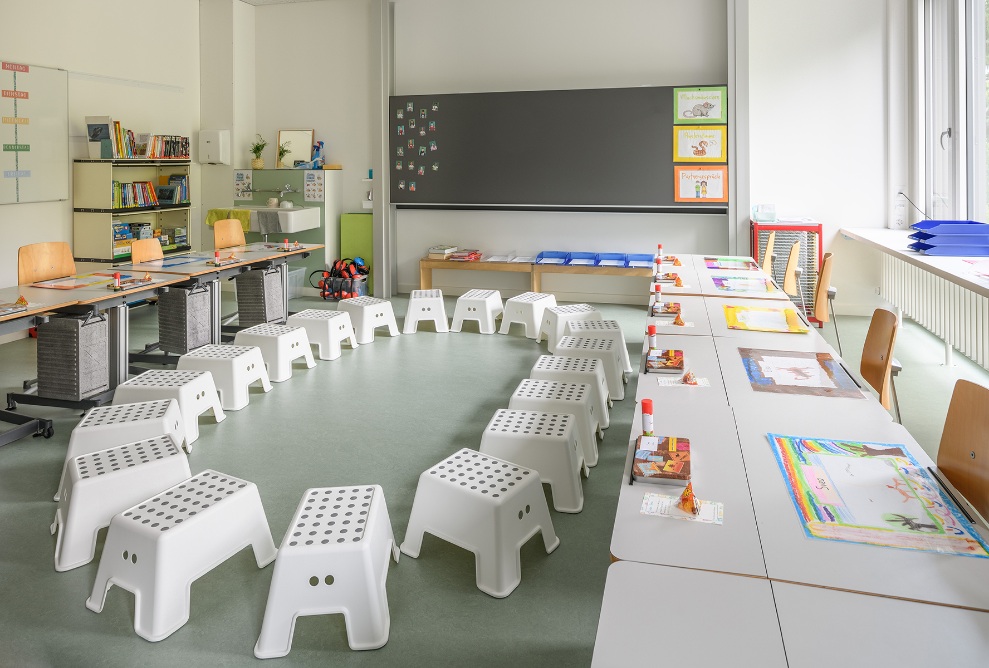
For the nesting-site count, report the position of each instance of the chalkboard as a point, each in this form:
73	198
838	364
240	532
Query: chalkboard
595	149
34	130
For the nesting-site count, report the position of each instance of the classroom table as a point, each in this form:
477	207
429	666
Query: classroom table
791	556
692	311
699	262
691	283
718	474
715	307
659	616
701	357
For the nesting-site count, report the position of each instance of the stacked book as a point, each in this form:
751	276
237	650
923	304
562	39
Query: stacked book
132	195
662	459
440	252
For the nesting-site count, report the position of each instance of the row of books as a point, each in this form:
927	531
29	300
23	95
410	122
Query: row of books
173	189
109	139
132	195
444	252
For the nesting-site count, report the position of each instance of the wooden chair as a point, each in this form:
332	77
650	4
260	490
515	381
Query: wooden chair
44	261
228	233
824	297
145	250
768	258
791	276
963	455
877	357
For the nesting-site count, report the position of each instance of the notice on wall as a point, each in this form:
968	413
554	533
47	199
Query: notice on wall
313	186
243	180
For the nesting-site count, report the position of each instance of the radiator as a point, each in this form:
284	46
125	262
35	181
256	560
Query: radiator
951	312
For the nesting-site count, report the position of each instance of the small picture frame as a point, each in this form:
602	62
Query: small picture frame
707	104
699	143
701	183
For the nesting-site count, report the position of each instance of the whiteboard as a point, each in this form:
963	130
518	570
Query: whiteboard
34	131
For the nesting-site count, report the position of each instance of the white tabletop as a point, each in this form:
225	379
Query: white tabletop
894	242
700	265
693	313
718	474
691	284
824	628
715	307
793	557
656	616
700	357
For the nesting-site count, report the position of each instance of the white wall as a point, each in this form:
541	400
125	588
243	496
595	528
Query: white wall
147	85
452	46
817	130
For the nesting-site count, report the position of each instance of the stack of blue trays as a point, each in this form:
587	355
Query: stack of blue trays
951	238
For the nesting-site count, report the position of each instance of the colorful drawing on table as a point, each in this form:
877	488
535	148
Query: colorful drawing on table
871	493
731	263
662	505
764	319
743	284
80	281
792	372
175	261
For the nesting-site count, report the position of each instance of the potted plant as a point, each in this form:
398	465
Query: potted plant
283	150
257	148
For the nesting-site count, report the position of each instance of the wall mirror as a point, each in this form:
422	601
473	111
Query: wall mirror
299	144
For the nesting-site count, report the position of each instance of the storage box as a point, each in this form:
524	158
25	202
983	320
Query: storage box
259	297
73	357
640	260
552	257
184	321
581	259
296	282
610	259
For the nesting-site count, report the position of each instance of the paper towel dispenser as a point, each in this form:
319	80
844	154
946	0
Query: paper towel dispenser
214	147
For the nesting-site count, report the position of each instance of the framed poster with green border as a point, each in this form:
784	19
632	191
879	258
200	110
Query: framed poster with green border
700	105
699	143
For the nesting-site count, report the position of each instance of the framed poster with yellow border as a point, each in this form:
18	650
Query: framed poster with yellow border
697	143
700	184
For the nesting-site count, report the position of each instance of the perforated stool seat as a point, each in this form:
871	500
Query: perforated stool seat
280	346
426	305
486	505
602	329
550	396
605	350
545	443
326	330
367	314
116	424
101	484
234	369
159	547
587	370
527	309
194	390
333	559
480	305
555	319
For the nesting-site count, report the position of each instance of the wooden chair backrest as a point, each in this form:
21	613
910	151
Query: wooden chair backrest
227	233
963	456
790	275
145	250
821	295
44	261
877	353
767	256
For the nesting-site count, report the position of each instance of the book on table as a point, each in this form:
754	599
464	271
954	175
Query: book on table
664	361
440	251
665	309
666	277
662	459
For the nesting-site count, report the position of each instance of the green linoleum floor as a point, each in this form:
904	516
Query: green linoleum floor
381	414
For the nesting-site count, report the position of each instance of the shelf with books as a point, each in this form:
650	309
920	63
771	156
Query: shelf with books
109	139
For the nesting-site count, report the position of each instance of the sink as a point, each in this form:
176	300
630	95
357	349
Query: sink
296	219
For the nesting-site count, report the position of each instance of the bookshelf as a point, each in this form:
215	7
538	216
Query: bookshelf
94	210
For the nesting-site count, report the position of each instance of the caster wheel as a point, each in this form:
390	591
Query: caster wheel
49	432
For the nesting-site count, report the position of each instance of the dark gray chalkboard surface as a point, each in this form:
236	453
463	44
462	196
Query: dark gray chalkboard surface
595	149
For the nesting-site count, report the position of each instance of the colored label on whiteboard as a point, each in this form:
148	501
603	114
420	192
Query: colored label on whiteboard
19	94
16	120
16	67
17	147
16	173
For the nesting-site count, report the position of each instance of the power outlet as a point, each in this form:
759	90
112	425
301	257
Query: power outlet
899	211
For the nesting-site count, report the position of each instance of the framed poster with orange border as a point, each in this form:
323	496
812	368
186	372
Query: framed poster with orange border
699	143
700	184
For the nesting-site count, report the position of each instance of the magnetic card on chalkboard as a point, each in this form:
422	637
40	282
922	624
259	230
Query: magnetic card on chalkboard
409	106
432	146
412	186
401	185
400	114
400	151
432	126
401	130
436	106
422	113
412	143
412	165
421	170
422	150
436	166
412	122
398	165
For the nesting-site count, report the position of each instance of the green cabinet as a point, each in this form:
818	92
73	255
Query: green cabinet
357	240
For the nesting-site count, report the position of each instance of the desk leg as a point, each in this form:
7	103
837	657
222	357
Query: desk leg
215	303
425	277
537	279
119	344
283	270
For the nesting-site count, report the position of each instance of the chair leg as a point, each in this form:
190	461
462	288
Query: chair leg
834	319
896	403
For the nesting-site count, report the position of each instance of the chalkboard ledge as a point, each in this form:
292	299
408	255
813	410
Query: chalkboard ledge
604	208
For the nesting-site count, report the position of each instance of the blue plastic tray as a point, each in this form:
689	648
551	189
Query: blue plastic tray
948	250
583	259
552	257
611	260
640	260
947	226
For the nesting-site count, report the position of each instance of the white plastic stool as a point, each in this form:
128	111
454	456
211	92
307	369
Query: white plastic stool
555	318
587	370
333	559
550	396
367	314
426	305
116	424
280	346
480	305
605	350
482	504
545	443
101	484
194	390
602	329
234	368
158	548
527	309
326	330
